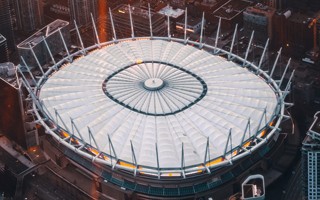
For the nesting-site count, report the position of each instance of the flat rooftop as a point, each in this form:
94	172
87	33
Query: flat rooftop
137	13
174	13
231	9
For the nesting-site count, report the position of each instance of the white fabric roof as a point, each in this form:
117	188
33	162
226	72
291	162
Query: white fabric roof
234	95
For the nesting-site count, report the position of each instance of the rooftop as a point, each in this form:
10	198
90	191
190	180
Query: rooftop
231	9
174	13
46	31
159	99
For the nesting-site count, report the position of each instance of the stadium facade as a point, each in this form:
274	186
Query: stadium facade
159	117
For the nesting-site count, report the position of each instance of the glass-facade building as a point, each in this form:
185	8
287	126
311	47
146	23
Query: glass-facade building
311	161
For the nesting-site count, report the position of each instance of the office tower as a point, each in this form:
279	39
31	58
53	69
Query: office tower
29	14
34	49
277	4
258	18
81	10
311	161
56	9
140	20
6	24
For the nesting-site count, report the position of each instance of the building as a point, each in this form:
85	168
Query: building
35	44
258	18
157	117
29	15
4	54
277	4
193	26
311	160
56	9
6	24
174	14
12	122
231	13
140	18
81	10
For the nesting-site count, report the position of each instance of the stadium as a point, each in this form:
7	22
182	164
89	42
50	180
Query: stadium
161	117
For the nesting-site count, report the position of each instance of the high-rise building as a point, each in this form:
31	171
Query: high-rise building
56	9
6	24
140	18
258	18
311	161
4	55
34	46
29	14
81	10
277	4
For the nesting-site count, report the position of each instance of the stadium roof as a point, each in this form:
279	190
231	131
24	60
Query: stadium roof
159	102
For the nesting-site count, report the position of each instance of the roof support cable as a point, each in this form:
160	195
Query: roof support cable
183	164
150	21
80	38
50	53
134	159
229	142
95	30
232	43
185	25
274	65
131	21
111	147
201	32
37	60
216	51
284	73
158	164
207	156
262	56
65	46
91	137
29	71
248	50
